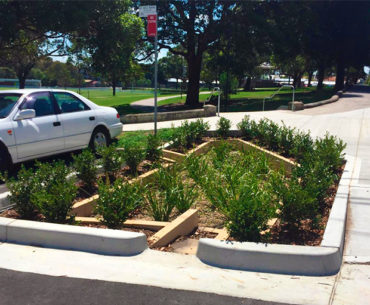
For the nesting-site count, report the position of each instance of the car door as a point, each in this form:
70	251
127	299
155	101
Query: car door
77	119
41	135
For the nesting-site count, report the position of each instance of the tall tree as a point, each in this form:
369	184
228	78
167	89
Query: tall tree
194	25
25	51
111	40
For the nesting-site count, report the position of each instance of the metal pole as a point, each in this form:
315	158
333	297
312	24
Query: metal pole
155	82
293	99
218	104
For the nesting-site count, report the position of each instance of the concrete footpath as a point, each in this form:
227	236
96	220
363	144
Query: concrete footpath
32	275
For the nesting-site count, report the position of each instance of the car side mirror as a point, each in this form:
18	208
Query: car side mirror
25	114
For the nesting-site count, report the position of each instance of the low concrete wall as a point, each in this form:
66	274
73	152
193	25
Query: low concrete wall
103	241
206	111
333	99
286	259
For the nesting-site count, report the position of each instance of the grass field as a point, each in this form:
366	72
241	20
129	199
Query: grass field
252	100
241	101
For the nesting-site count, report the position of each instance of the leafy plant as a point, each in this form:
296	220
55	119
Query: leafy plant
302	145
178	138
223	127
116	202
159	208
200	128
286	139
297	203
21	189
184	196
134	154
84	164
153	151
245	126
169	191
111	159
330	150
55	191
249	209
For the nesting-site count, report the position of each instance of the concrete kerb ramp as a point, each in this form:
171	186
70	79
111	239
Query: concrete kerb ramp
60	236
323	260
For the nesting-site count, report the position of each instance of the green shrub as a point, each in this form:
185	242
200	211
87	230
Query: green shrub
178	138
200	128
297	203
302	145
116	202
330	150
286	139
134	154
223	127
249	209
111	160
153	150
84	164
245	126
21	189
55	191
315	176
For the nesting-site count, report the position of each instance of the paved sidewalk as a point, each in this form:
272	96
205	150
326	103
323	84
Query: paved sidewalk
154	273
148	104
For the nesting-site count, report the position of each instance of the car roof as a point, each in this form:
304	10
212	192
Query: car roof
28	91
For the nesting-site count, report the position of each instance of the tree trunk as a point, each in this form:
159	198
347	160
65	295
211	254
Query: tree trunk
194	67
310	74
248	84
320	77
339	80
22	82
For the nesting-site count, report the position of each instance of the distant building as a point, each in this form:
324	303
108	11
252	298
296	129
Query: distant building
14	83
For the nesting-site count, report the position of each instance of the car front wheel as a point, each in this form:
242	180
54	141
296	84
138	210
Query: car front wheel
99	138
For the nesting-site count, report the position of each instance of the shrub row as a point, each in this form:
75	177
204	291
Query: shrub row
189	133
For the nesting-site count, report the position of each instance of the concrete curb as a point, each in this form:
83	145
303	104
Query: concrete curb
333	99
286	259
206	111
101	241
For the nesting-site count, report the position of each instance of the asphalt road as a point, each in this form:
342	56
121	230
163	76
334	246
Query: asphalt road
20	288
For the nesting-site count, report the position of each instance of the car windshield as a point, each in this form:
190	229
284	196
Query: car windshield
7	102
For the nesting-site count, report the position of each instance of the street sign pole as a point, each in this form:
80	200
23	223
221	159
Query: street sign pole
150	12
155	82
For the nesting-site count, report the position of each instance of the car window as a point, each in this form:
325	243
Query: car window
41	102
69	103
7	102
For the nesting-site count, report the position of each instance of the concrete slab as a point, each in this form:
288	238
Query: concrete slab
168	270
353	285
358	229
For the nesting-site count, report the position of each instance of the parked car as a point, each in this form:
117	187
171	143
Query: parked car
37	123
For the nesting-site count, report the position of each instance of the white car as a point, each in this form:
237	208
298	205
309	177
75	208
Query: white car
36	123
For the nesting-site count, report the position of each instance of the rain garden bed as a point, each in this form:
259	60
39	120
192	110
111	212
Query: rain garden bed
273	184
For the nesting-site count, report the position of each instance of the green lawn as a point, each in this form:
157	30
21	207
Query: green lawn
252	100
259	93
139	137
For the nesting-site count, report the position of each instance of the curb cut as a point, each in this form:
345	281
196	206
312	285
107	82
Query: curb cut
325	259
60	236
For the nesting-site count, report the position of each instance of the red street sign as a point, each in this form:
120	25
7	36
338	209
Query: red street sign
152	25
